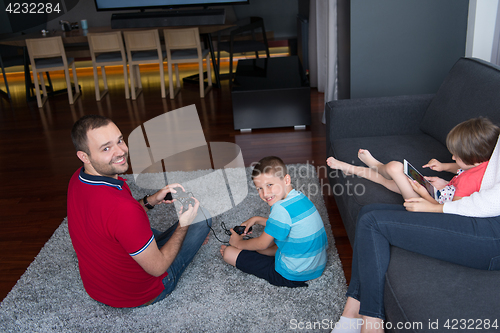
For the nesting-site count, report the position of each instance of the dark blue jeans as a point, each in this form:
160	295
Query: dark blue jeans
195	236
467	241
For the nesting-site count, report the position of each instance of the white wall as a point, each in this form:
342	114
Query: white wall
483	30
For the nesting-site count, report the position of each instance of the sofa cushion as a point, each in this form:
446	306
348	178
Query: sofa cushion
470	90
420	289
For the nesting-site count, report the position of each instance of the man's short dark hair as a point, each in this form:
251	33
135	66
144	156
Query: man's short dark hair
82	126
270	165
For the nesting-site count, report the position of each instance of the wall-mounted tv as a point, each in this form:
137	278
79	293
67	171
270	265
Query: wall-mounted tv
146	4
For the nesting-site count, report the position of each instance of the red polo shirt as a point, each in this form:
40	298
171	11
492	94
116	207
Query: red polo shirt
107	228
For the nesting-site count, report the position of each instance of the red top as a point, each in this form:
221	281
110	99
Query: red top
469	181
108	227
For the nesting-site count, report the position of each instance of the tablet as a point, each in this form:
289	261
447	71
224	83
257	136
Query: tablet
412	173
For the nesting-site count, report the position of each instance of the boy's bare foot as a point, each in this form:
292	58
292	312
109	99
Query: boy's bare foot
339	165
222	249
205	242
366	157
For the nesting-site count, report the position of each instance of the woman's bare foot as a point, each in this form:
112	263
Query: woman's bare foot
222	249
339	165
366	157
205	242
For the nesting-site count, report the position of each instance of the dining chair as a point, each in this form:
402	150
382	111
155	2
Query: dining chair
47	54
183	46
8	57
243	38
143	47
106	49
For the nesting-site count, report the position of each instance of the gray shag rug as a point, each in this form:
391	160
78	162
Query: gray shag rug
211	296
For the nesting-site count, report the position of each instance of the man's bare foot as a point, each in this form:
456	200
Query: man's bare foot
339	165
206	240
222	249
366	157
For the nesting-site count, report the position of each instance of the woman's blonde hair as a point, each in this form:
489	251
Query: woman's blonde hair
473	141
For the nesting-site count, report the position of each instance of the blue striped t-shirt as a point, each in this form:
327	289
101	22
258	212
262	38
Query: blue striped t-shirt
300	235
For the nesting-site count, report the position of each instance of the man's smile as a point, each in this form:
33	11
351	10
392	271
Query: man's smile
120	160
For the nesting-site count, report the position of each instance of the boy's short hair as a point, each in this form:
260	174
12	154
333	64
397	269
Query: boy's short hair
270	165
82	126
473	140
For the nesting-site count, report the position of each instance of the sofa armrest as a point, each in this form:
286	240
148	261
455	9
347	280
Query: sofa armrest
375	116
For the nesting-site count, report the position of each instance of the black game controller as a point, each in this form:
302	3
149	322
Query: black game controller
184	198
168	197
240	229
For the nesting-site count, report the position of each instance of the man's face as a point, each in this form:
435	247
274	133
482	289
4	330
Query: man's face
108	152
271	188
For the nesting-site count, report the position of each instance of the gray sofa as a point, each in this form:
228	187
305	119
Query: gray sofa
418	289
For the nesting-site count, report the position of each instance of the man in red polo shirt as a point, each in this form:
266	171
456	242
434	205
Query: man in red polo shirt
121	264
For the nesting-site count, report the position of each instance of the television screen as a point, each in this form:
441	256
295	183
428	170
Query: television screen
144	4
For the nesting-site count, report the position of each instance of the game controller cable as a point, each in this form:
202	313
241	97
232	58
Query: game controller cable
186	199
223	226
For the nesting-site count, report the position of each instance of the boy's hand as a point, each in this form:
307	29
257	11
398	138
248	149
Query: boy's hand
249	223
434	165
235	239
437	182
420	190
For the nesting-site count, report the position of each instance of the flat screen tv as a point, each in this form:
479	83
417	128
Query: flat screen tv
147	4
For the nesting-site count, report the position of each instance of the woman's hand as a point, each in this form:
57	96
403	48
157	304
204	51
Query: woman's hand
422	205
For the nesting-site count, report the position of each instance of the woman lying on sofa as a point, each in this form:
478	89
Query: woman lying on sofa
468	235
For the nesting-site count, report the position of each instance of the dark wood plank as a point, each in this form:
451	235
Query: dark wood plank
37	157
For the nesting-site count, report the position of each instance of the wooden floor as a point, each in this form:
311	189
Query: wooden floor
37	157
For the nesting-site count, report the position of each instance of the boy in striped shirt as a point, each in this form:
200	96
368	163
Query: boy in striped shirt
292	248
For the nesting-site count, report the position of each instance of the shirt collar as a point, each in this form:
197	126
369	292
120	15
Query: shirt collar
291	194
100	180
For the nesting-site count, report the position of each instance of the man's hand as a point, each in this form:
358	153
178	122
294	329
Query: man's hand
159	197
187	217
422	205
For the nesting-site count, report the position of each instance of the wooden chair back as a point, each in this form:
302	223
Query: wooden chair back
49	47
142	40
106	42
176	39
